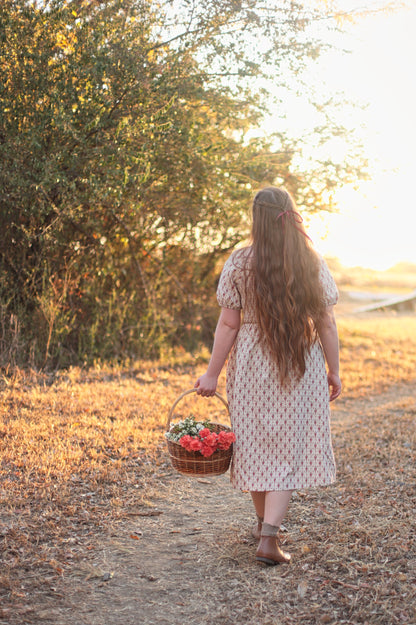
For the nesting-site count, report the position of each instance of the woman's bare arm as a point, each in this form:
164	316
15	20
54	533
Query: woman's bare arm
328	334
225	334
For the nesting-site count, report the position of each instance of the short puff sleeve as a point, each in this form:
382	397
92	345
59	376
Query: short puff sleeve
330	291
228	295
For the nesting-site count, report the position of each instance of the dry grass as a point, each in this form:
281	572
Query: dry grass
352	543
77	455
399	279
361	531
377	350
81	452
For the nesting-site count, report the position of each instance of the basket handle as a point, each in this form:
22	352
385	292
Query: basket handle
192	390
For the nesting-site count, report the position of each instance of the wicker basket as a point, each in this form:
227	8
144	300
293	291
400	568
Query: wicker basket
193	463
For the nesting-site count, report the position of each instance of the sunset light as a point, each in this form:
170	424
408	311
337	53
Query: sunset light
376	220
204	418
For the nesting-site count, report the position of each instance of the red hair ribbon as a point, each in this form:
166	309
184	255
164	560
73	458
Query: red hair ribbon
296	217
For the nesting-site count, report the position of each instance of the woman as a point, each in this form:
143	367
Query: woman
277	299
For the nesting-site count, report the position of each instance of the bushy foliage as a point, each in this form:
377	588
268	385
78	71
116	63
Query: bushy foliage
125	172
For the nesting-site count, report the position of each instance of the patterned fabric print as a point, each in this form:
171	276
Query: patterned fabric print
283	434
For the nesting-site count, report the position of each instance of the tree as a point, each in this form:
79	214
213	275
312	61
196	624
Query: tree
125	169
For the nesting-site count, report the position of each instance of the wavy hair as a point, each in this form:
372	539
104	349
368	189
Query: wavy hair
288	294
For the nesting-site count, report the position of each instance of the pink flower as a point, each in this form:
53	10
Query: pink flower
207	442
186	441
204	432
211	440
195	444
207	451
225	439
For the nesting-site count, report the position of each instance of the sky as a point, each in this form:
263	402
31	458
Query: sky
375	226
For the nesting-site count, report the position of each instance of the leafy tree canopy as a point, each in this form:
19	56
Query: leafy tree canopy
126	168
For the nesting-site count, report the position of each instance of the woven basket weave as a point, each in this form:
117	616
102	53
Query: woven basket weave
193	463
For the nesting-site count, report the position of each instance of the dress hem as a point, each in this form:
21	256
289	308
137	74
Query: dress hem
281	487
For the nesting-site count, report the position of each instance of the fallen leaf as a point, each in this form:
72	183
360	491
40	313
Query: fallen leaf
302	588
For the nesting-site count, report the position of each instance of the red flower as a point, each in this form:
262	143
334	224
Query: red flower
204	432
207	442
225	439
185	441
195	444
211	440
207	451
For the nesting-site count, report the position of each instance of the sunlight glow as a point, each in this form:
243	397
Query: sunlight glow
375	227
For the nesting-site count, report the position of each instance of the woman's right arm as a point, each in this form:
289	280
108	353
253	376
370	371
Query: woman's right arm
227	329
328	334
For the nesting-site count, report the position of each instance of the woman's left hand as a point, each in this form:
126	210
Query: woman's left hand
206	385
335	386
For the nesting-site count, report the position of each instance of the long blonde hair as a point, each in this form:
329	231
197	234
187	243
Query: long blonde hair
287	291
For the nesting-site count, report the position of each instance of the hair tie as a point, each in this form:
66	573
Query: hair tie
296	217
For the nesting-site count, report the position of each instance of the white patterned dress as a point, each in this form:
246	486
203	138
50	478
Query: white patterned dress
283	434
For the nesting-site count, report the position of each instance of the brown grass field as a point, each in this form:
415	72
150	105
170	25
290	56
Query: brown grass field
83	460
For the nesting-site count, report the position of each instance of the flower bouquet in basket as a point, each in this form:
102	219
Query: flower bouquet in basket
200	436
199	447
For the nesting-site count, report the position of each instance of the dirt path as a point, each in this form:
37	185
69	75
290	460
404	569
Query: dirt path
187	558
